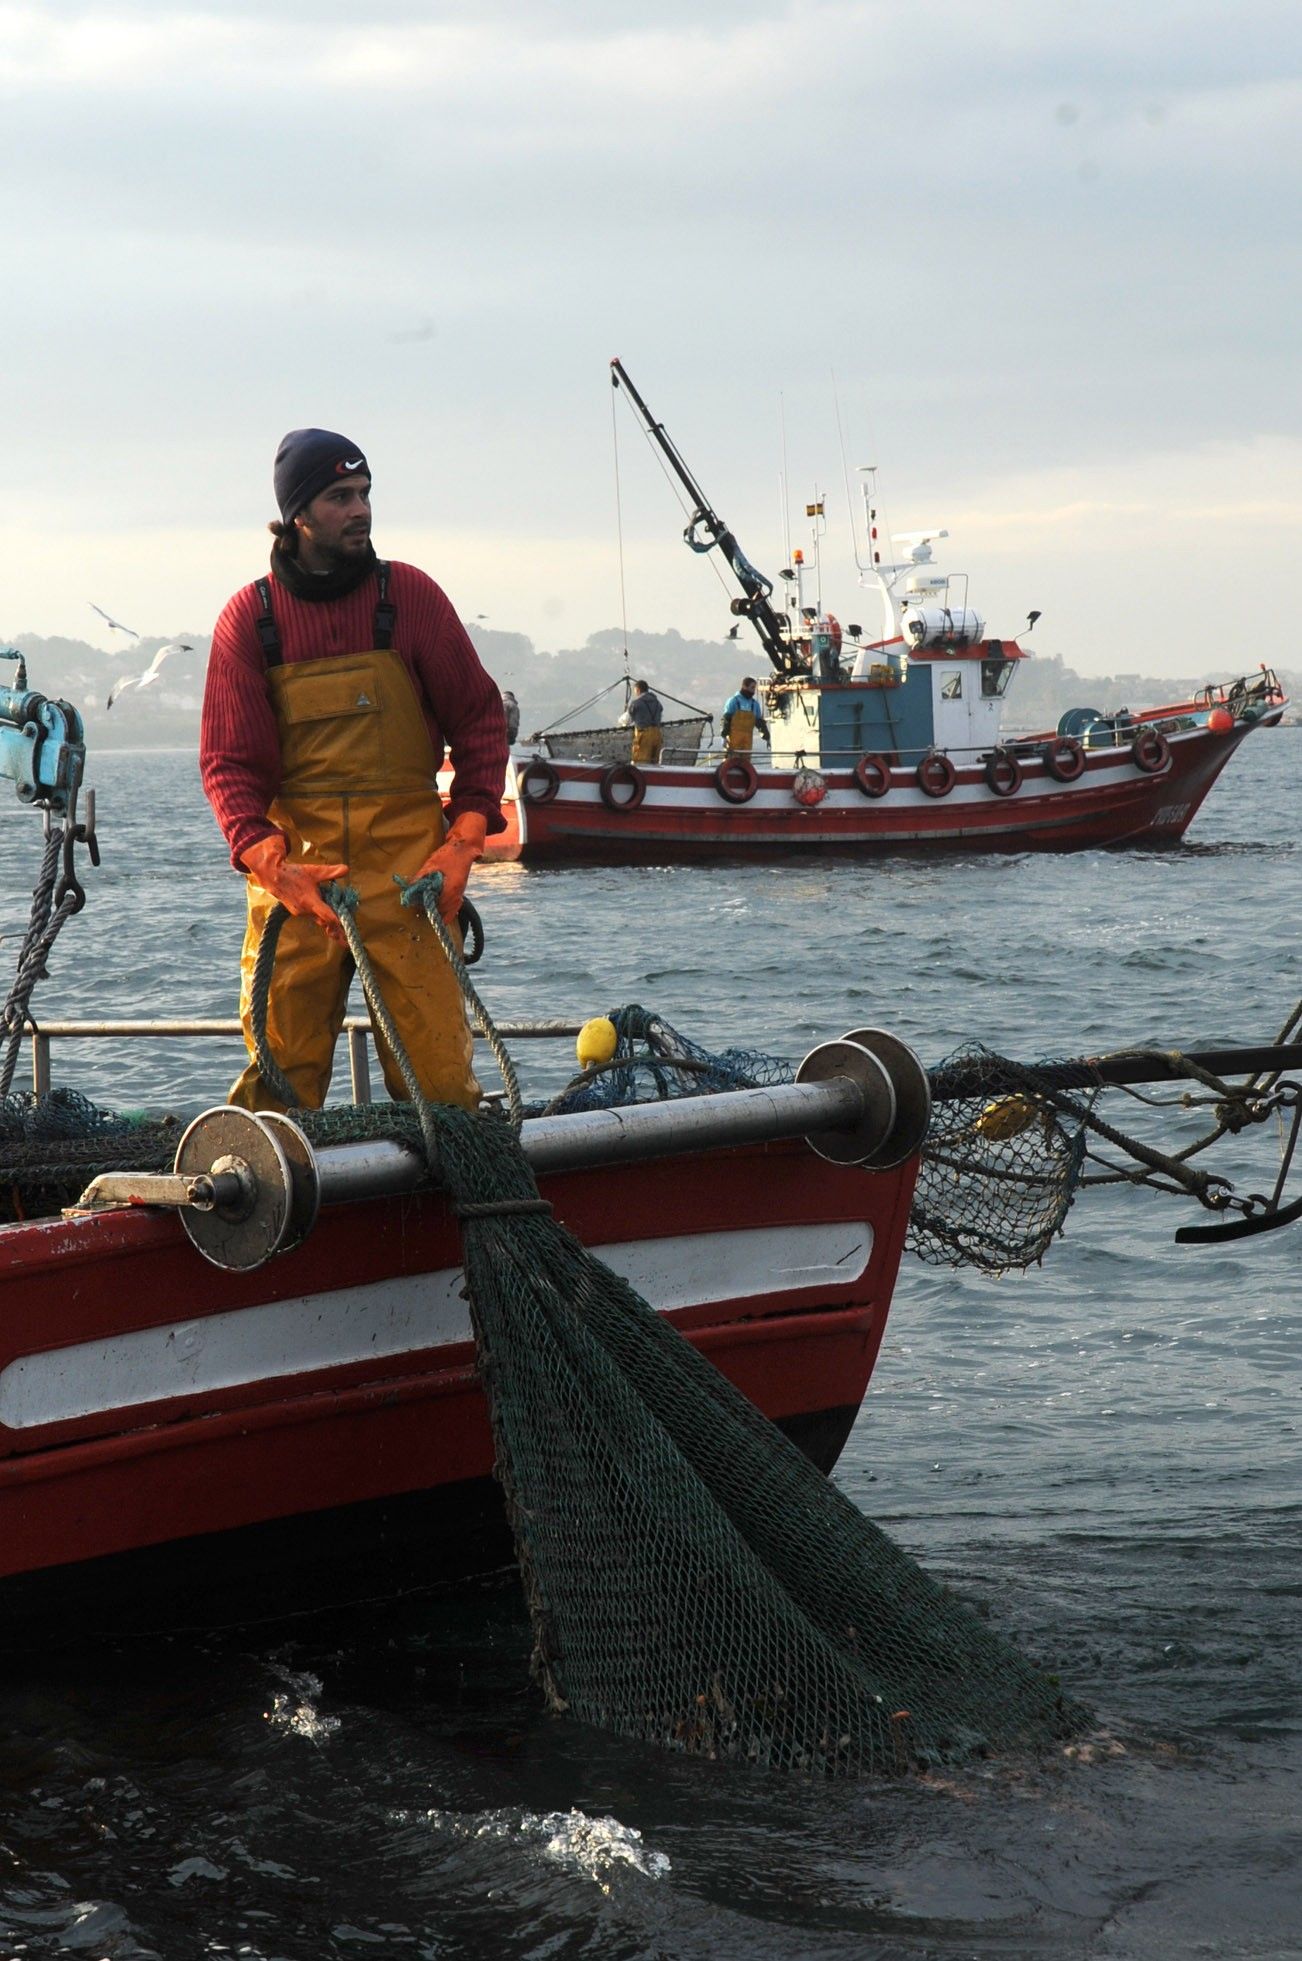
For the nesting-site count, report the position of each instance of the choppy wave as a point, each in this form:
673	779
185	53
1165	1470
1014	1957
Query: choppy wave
1105	1453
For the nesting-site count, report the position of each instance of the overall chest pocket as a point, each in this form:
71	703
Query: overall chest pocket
346	692
332	727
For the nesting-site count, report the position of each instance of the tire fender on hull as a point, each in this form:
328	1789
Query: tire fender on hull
736	779
872	774
1150	751
936	774
622	786
1003	773
538	781
1064	758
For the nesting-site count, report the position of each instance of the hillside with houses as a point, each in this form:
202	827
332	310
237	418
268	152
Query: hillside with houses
583	685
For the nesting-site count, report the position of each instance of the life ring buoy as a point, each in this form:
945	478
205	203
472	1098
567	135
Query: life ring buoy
873	775
1064	758
1150	751
936	774
1003	773
736	780
626	776
538	781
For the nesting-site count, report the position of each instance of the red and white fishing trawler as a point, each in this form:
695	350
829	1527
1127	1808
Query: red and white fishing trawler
264	1355
150	1398
878	742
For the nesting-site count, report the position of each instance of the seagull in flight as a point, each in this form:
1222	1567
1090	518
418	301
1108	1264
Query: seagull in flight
151	673
116	625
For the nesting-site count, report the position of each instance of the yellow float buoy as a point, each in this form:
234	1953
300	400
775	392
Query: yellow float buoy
597	1042
1006	1118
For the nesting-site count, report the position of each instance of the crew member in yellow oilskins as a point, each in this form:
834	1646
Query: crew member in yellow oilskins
646	714
335	685
742	715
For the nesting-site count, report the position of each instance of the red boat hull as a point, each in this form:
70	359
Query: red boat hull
563	815
148	1398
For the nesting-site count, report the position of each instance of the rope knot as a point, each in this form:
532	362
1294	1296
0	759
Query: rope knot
424	892
342	897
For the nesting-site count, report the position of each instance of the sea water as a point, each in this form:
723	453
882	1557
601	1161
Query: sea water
1105	1450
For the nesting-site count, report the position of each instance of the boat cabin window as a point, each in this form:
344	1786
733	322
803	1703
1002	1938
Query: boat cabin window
951	686
995	676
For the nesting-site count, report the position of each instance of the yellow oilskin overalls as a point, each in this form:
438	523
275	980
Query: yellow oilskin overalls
741	731
358	787
647	744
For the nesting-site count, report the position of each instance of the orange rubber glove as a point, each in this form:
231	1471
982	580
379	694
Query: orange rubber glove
297	886
454	857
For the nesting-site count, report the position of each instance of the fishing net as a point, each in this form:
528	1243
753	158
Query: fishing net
682	742
693	1580
51	1147
1000	1163
653	1062
999	1169
60	1113
1002	1158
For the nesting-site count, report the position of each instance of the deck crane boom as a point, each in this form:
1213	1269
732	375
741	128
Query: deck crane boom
756	605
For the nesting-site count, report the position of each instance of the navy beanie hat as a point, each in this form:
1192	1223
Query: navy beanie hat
308	460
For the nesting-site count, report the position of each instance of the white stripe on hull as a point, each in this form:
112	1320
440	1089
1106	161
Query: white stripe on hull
700	797
395	1318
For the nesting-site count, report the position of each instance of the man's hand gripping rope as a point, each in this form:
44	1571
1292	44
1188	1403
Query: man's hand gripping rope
297	885
340	902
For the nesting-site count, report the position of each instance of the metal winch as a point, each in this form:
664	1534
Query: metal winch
249	1185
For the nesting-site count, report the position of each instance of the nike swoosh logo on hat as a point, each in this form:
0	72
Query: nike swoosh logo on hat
356	463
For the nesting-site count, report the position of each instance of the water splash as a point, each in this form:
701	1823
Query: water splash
593	1847
293	1709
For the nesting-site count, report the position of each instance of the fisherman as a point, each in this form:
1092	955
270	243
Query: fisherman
742	715
334	687
511	709
646	714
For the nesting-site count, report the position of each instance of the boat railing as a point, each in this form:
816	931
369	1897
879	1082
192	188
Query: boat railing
357	1028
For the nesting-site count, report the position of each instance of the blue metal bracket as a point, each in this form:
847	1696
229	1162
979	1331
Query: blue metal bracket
42	744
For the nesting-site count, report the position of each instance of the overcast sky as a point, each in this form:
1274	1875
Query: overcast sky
1044	261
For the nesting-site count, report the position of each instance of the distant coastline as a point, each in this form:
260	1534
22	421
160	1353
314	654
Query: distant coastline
696	673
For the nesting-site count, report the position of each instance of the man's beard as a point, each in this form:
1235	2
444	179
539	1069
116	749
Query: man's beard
348	551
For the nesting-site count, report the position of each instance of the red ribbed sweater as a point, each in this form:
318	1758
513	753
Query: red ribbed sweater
239	749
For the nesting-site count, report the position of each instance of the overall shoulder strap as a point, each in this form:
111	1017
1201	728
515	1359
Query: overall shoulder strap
265	624
386	613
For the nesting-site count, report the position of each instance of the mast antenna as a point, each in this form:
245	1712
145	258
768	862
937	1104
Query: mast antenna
786	481
619	534
845	473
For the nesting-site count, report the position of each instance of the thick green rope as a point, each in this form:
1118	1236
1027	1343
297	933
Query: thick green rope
423	892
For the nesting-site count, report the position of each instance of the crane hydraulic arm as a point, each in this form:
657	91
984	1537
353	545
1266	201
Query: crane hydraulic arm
756	605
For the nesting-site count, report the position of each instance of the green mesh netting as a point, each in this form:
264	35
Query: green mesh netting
653	1062
999	1168
693	1580
52	1146
1003	1156
61	1113
1000	1164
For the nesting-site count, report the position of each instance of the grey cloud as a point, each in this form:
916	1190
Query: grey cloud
566	18
196	267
